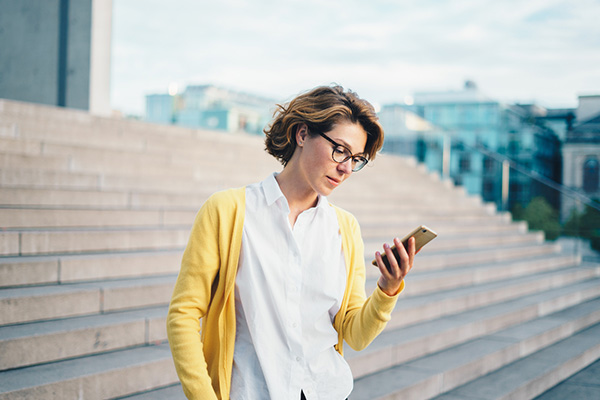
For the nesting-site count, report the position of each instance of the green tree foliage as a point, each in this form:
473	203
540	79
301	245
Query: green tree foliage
586	225
540	215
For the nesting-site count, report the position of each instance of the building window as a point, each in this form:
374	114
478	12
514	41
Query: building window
488	187
464	163
590	175
516	192
488	190
513	147
489	164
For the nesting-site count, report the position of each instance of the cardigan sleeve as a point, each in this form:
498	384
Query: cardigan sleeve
190	302
365	318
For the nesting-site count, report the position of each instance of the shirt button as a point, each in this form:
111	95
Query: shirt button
294	325
298	359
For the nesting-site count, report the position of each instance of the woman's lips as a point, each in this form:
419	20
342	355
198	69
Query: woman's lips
334	181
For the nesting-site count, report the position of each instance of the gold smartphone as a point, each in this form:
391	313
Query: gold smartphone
422	234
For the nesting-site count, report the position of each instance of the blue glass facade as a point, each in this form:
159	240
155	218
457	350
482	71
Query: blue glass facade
210	107
478	130
159	108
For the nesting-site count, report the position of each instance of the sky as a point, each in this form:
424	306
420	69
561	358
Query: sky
517	51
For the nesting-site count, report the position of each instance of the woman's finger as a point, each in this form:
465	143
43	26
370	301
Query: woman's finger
404	258
381	265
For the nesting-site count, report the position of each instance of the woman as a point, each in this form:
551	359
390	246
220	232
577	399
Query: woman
276	273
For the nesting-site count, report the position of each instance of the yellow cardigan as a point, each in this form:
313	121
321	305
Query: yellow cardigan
205	290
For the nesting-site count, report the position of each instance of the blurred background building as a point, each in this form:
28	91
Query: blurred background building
57	52
211	107
469	131
478	133
581	154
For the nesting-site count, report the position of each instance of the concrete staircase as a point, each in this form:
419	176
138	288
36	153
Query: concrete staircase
95	213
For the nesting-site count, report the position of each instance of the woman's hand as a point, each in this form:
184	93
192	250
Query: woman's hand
390	280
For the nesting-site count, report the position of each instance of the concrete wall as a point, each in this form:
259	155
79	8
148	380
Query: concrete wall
46	52
29	41
99	99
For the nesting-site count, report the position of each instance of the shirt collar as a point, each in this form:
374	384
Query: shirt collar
272	190
273	193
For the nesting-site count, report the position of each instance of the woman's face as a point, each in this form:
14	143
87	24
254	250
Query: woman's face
321	173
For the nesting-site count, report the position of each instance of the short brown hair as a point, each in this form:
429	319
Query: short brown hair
320	109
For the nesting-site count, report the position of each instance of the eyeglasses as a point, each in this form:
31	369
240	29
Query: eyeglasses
341	154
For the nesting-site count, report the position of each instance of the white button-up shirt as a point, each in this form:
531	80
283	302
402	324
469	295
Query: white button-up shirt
289	287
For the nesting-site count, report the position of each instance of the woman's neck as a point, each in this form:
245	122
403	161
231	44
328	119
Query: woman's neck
299	197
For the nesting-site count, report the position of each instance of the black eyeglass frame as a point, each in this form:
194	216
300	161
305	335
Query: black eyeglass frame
362	160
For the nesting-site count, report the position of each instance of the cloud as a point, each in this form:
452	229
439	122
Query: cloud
544	50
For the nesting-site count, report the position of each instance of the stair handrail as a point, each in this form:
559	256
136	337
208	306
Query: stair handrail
567	191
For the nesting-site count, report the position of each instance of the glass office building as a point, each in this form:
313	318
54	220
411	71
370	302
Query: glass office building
477	132
211	107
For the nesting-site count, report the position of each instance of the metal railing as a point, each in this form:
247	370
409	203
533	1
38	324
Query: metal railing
572	235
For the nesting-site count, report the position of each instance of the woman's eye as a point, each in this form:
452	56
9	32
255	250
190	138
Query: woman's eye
339	150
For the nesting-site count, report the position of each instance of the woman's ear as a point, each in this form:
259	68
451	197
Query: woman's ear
301	134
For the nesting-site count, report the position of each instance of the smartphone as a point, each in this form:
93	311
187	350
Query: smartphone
422	234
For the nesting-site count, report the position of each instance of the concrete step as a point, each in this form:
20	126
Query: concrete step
43	303
423	281
60	126
90	156
14	217
193	197
103	332
102	376
396	346
34	162
73	183
26	154
526	378
73	127
81	241
29	197
20	146
65	240
48	179
115	134
24	304
470	241
423	307
78	161
68	268
163	164
49	341
428	260
581	385
174	392
360	188
356	196
102	199
19	218
433	220
443	371
188	154
386	232
424	339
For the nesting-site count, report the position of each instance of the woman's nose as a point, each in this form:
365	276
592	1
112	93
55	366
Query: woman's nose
346	166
